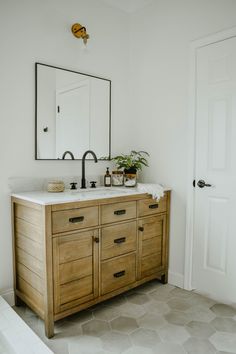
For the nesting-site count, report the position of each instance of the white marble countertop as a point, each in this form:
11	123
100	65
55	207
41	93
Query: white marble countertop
48	198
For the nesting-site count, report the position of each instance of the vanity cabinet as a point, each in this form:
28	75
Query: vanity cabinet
69	256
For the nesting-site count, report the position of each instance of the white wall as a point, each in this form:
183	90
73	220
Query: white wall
160	36
152	117
34	30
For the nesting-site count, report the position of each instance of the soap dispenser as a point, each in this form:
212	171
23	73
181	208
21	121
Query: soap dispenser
107	178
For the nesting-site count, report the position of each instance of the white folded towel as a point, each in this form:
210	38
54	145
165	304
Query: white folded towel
156	190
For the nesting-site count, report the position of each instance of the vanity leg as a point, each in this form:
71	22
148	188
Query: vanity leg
164	278
48	256
49	327
18	301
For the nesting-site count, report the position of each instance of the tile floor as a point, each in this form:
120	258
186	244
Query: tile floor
151	319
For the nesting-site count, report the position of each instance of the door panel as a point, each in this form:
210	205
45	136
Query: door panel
152	245
75	272
214	265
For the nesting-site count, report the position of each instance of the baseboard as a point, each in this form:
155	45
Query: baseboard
8	295
176	279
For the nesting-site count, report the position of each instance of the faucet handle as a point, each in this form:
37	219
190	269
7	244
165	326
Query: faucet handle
73	185
93	184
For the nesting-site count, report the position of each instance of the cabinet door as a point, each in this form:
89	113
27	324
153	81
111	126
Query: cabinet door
152	245
75	261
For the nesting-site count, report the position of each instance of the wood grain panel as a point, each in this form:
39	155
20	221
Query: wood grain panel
65	220
33	216
118	239
31	247
118	212
76	289
31	293
31	278
30	262
75	270
151	206
152	227
151	264
152	245
75	246
110	270
29	230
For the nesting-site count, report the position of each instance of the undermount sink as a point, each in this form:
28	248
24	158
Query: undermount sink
101	192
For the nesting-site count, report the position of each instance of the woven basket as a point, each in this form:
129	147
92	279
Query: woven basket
56	186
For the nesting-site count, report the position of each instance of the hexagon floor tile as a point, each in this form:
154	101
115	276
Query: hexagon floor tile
124	324
223	310
199	346
224	341
146	338
173	333
95	328
115	341
138	299
200	329
224	324
150	319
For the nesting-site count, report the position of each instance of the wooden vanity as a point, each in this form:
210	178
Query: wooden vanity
69	256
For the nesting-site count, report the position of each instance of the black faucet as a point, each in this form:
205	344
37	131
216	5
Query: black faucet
68	152
83	180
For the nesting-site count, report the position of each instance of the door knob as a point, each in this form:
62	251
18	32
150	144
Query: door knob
202	184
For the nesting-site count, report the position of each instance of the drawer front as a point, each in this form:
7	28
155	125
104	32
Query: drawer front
118	212
118	240
118	273
68	220
151	206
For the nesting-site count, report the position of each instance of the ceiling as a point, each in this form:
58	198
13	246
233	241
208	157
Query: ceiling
128	6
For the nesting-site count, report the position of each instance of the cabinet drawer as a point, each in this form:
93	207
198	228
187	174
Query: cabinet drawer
118	240
68	220
118	212
117	273
151	206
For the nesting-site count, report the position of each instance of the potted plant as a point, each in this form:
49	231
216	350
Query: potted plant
130	164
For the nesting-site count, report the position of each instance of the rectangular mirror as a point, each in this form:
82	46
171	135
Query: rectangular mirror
73	113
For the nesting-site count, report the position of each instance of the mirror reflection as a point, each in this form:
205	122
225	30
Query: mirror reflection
72	113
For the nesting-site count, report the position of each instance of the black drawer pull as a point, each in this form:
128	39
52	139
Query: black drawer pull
120	240
119	274
141	228
153	206
120	212
76	219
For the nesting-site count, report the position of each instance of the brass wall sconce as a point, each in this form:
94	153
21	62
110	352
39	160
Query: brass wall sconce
80	32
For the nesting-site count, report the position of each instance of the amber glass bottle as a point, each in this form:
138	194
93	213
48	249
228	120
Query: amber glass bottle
107	178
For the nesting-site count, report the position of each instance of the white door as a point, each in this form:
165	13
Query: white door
214	248
73	119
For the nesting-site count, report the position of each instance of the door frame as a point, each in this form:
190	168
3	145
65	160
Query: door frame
191	140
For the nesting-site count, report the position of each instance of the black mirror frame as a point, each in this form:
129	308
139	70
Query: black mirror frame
36	105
